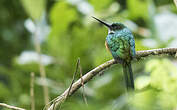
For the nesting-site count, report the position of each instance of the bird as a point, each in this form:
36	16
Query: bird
121	44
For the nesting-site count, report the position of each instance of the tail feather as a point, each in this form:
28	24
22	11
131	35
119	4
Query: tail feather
128	74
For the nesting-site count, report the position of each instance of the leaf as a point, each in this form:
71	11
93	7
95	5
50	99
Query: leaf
100	4
138	8
144	100
163	74
34	8
142	81
61	15
4	91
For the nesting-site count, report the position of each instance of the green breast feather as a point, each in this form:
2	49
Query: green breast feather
121	44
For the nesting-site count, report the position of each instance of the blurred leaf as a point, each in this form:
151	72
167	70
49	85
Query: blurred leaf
61	16
142	82
168	101
163	74
33	66
105	54
24	99
139	45
4	93
34	8
138	8
100	4
144	100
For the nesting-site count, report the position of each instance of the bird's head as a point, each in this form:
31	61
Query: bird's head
112	27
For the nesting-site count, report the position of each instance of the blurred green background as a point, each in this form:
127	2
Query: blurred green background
66	31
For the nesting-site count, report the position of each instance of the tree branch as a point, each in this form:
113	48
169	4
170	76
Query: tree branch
32	91
11	107
95	71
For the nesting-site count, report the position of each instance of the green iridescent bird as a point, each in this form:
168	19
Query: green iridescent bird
120	42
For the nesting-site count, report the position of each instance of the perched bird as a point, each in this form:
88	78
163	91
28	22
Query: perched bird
120	42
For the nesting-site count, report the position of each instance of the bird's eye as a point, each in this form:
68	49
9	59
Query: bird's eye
114	26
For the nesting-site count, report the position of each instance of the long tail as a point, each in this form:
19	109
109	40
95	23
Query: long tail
128	74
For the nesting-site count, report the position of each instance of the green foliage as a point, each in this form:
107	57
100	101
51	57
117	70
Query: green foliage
138	8
5	92
34	8
100	4
161	94
61	15
74	34
145	100
164	76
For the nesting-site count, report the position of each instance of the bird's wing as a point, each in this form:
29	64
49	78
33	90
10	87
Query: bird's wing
121	45
132	46
124	47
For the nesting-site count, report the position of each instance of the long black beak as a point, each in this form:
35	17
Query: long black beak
102	22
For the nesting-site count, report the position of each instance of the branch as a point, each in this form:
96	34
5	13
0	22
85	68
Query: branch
95	71
82	81
32	92
11	107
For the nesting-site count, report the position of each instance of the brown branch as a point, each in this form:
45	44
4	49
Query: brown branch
82	81
95	71
32	92
11	107
74	75
77	65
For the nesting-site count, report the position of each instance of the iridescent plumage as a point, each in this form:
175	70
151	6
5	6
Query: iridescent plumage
120	42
